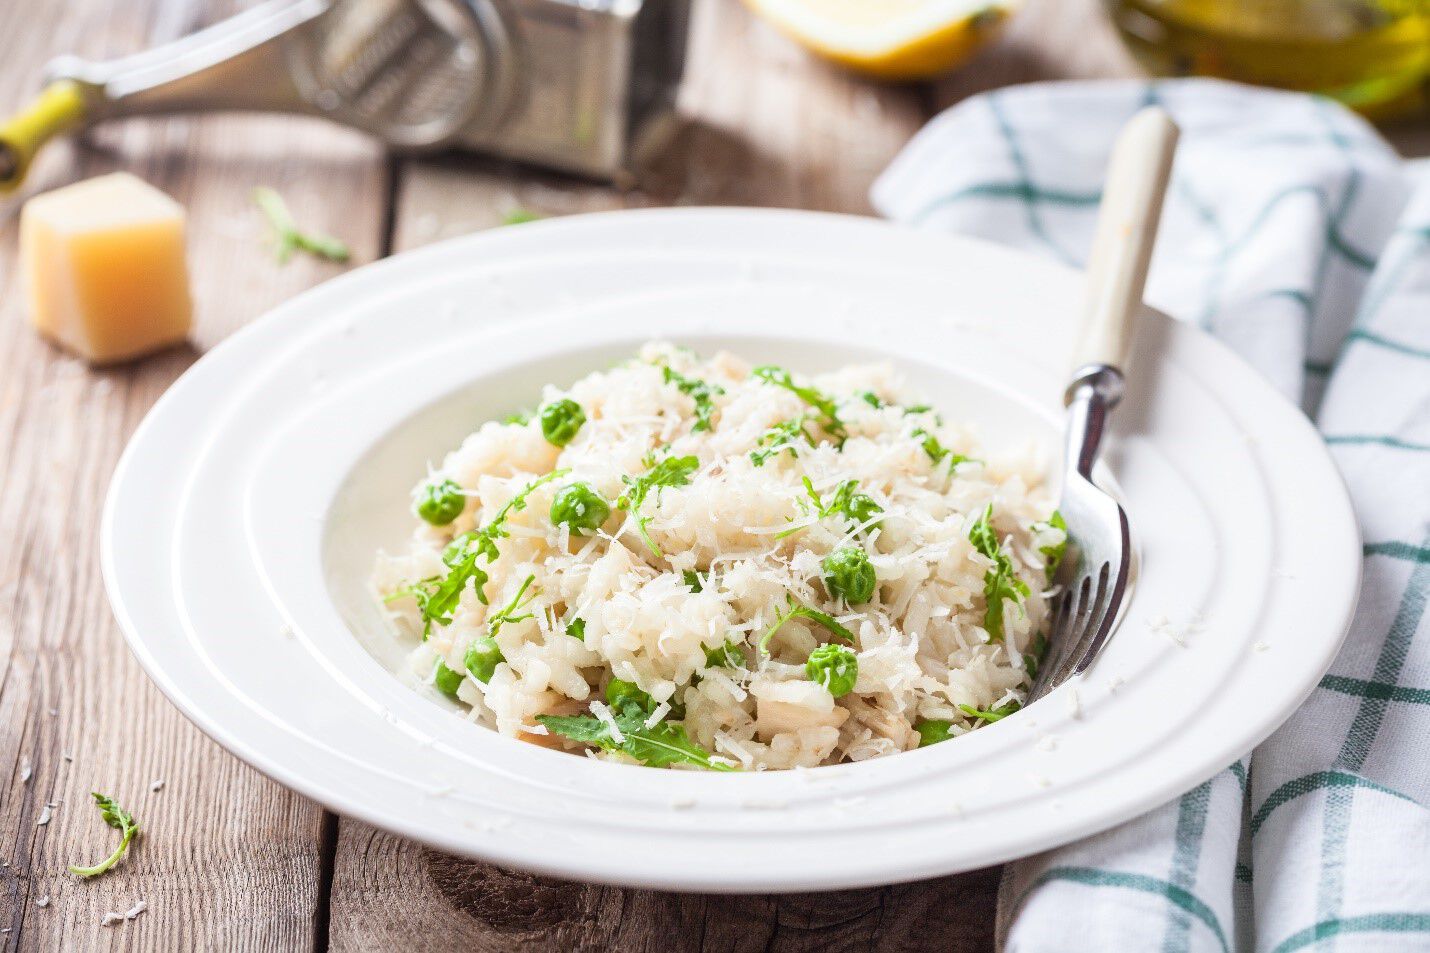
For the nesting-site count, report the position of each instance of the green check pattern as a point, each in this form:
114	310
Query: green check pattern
1294	234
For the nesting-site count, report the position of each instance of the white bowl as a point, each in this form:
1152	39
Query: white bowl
242	522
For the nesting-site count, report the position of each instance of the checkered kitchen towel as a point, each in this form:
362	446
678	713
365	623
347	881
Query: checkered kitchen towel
1294	234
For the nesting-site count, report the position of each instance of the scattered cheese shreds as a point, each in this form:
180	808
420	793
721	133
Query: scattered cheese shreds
43	901
135	910
26	771
44	816
156	784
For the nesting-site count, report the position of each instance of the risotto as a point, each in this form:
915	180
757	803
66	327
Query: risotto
702	564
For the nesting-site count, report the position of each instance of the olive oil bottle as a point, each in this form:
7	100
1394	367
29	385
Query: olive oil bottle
1373	55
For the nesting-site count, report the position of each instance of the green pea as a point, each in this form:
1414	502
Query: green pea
579	507
932	731
560	420
729	655
848	573
483	657
441	502
836	667
861	508
446	680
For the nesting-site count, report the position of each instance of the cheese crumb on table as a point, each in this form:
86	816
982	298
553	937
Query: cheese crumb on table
105	269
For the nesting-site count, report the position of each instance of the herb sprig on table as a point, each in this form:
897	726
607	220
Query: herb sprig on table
117	818
288	237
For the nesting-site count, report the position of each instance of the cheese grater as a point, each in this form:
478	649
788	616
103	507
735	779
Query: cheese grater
579	85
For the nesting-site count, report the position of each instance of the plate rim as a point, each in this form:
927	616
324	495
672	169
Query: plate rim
354	808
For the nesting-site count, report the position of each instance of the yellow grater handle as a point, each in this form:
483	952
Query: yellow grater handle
59	108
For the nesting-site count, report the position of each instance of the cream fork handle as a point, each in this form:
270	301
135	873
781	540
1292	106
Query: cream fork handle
1126	229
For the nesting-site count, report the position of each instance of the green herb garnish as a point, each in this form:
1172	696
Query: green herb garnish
793	609
729	655
576	628
828	411
872	399
702	393
437	597
289	237
935	450
1054	553
519	419
692	580
782	436
999	582
993	714
509	612
117	818
672	471
659	746
857	507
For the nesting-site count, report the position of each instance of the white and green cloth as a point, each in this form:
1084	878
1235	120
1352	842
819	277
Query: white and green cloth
1297	236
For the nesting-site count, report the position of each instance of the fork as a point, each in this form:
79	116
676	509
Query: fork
1095	568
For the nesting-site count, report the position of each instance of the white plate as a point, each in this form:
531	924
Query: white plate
242	521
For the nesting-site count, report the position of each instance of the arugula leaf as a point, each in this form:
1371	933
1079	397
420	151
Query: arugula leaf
993	714
937	451
793	609
828	410
999	582
672	471
437	597
1054	553
659	746
699	391
782	436
854	506
117	818
506	613
729	655
483	539
290	238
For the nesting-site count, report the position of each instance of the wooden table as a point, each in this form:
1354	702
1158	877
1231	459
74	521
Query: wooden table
229	859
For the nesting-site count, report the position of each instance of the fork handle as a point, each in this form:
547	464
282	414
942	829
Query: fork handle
1126	230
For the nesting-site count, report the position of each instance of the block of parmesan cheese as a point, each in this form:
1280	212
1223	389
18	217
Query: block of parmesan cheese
105	268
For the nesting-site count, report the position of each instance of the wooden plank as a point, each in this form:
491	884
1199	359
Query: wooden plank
782	129
1047	40
228	859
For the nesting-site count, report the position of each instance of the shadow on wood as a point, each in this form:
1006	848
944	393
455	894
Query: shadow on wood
509	910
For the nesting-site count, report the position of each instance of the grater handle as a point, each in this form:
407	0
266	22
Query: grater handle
239	63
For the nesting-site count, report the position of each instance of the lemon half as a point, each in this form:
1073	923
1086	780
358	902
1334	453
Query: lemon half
890	39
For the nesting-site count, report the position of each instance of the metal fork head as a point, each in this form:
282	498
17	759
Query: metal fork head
1095	569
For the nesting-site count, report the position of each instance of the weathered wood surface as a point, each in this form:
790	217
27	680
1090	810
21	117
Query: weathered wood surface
230	860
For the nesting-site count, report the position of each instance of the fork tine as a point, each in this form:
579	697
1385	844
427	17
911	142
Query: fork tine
1080	638
1053	657
1117	586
